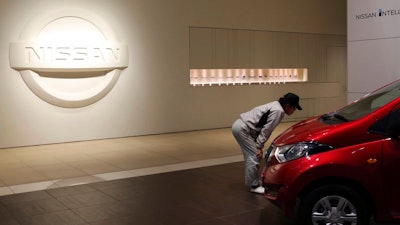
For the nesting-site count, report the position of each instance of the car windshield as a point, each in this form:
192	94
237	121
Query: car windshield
365	105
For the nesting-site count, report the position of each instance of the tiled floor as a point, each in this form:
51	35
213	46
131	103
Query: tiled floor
51	166
183	178
212	195
191	178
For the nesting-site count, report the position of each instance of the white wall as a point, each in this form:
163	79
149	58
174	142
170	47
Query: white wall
153	94
373	45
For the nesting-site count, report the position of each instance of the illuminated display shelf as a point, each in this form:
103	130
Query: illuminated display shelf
202	77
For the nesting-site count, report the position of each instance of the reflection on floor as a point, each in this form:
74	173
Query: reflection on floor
213	195
61	165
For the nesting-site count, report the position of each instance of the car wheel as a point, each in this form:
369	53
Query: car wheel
333	204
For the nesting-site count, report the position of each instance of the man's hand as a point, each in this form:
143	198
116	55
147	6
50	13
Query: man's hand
260	154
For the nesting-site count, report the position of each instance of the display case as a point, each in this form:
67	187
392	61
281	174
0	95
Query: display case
201	77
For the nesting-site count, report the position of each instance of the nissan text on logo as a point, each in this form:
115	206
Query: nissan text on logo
70	58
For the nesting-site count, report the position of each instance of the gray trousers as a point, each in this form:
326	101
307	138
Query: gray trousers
247	144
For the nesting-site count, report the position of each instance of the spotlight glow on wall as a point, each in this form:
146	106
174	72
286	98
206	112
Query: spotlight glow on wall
70	58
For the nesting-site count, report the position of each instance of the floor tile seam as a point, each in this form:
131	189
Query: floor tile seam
53	181
4	190
85	172
58	183
107	162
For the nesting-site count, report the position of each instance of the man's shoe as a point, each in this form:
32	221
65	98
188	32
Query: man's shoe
258	190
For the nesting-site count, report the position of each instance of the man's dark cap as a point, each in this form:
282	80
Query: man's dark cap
293	100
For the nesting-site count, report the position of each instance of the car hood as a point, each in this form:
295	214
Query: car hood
336	135
306	130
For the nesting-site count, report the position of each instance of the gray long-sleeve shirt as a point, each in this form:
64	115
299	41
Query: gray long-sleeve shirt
253	117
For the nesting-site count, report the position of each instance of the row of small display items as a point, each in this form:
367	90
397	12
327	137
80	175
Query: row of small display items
232	81
246	76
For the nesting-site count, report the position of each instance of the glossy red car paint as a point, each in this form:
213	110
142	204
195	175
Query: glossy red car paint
360	159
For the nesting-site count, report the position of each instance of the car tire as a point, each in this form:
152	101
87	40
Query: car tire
333	204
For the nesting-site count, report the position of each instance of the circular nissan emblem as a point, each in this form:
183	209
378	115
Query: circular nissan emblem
70	58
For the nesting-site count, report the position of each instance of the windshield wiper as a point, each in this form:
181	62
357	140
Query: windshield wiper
340	117
326	116
330	116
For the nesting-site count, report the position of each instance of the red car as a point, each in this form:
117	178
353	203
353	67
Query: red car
342	167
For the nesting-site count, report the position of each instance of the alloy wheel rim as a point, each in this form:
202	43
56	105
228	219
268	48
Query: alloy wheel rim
334	210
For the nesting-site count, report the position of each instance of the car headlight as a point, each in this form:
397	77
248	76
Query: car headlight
290	152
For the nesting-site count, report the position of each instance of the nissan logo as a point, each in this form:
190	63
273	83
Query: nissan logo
70	58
